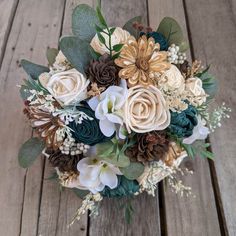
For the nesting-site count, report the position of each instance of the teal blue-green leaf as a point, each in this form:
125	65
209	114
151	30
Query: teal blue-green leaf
80	193
172	31
77	52
129	26
125	187
29	151
32	69
51	55
84	19
133	171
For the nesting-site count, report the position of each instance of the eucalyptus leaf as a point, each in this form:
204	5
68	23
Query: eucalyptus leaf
129	26
29	151
24	92
184	46
84	19
32	69
80	193
77	52
121	161
133	171
171	30
51	55
209	84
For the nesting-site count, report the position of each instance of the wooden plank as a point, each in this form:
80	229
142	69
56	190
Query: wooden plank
29	35
198	215
146	219
58	208
216	18
7	8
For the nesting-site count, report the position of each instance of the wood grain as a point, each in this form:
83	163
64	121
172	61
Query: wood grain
7	8
213	34
146	219
29	36
184	215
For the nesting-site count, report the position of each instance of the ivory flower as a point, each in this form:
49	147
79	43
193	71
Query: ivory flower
107	107
96	174
200	132
66	87
196	93
172	80
145	110
119	36
141	59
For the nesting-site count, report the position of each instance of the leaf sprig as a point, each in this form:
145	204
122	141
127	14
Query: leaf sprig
107	31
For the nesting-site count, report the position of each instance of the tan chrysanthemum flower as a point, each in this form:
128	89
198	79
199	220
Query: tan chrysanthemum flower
139	59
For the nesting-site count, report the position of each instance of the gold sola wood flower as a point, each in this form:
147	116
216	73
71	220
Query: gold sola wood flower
141	59
46	125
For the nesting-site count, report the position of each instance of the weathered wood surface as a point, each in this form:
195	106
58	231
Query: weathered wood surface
32	205
146	220
198	214
213	33
7	8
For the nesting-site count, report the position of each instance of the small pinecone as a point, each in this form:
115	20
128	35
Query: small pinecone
184	67
103	72
151	146
64	162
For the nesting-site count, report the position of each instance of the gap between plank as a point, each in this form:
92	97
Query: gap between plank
5	40
214	180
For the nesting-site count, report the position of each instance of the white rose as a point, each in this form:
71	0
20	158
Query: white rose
145	110
196	93
172	80
119	36
66	87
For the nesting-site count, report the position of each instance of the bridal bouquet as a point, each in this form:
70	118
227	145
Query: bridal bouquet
117	109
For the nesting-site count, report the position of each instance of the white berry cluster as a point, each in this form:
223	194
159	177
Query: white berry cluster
69	146
175	56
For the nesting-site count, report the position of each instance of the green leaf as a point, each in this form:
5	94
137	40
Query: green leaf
101	38
116	55
95	55
84	19
80	193
128	215
117	47
171	30
133	171
33	70
51	55
112	30
24	92
77	52
98	28
129	26
54	176
101	17
29	151
184	46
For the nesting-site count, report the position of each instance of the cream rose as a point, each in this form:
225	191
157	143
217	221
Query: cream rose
196	93
119	36
67	86
145	110
172	80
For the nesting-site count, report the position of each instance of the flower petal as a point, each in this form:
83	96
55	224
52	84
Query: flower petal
108	178
107	127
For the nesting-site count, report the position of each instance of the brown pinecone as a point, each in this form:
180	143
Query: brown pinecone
151	146
103	72
184	67
64	162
